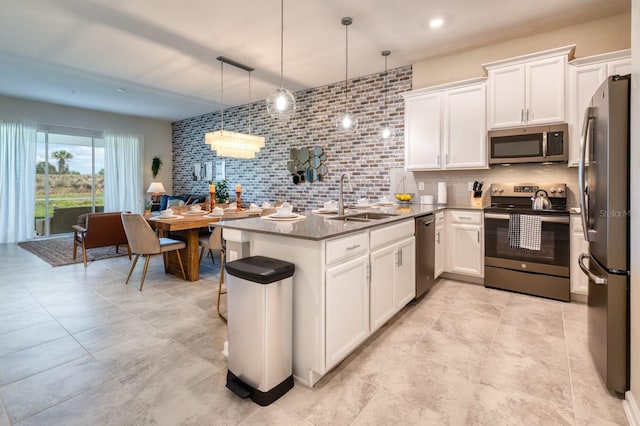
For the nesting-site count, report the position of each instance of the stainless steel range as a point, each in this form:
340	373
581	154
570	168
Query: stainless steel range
527	249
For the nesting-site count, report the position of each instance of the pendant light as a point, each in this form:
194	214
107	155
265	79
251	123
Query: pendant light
387	132
225	142
281	103
346	121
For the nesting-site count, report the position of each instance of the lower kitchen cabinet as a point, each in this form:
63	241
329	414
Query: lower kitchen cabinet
440	244
347	308
465	235
578	245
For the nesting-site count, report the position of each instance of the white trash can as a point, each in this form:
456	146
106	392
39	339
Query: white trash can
260	328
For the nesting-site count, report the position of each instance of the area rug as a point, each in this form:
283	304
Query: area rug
59	251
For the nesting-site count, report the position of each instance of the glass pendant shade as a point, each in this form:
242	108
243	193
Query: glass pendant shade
346	122
387	133
281	103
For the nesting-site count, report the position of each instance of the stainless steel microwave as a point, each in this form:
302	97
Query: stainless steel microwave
540	144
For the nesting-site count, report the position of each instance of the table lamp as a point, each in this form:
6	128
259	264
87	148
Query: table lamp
156	189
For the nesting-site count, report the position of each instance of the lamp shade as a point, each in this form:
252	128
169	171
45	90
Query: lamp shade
156	187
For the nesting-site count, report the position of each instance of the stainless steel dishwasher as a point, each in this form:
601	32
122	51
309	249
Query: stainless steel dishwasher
425	253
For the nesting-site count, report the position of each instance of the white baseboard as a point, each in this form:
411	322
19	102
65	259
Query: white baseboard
631	409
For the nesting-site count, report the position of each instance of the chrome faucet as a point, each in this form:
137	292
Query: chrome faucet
341	199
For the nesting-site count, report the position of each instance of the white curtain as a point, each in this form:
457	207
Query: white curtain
123	173
17	181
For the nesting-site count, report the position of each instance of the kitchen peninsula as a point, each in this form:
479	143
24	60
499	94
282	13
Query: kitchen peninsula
351	276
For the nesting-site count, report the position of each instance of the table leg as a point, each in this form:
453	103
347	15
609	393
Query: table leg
190	255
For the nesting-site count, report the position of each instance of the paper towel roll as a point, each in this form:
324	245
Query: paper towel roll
442	193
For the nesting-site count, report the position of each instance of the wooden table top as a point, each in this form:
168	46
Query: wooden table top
193	221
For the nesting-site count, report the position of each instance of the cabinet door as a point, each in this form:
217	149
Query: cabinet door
584	81
439	252
545	90
422	132
465	127
405	277
347	308
579	281
619	67
506	96
465	249
383	264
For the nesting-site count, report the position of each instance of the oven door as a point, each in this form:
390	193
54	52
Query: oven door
553	258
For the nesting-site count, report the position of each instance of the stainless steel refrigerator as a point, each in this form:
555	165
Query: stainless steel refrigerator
603	180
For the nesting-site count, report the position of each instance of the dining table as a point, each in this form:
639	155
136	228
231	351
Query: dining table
187	226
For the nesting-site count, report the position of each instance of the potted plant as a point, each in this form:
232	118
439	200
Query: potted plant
222	191
156	164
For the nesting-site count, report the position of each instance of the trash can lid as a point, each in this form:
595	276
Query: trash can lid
260	269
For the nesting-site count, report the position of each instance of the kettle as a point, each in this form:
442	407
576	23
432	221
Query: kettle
540	202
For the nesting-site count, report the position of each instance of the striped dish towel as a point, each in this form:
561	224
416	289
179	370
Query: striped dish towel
530	232
514	230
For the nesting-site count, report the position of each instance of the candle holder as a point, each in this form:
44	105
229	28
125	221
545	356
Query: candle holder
212	196
238	200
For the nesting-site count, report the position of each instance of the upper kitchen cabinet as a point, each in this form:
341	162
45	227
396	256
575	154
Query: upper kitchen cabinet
445	127
585	75
528	90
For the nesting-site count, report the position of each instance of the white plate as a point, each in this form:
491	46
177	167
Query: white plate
169	217
362	206
324	210
385	203
214	215
196	212
283	215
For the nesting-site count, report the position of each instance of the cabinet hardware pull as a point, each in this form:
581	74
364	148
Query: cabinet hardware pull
368	271
400	257
464	217
478	235
438	160
446	159
353	247
527	115
522	115
438	235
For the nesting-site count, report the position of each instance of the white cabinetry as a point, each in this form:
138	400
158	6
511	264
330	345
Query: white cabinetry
441	239
585	76
466	242
393	282
528	90
347	318
445	127
579	281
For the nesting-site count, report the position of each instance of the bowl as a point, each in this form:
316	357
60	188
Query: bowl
404	196
285	209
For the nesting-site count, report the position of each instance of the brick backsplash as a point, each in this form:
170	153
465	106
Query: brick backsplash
266	177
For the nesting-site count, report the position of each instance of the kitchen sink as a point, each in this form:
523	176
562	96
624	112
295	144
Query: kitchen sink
363	217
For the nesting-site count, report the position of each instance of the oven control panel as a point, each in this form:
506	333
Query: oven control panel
554	190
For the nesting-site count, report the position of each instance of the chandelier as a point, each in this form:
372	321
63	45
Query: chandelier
225	142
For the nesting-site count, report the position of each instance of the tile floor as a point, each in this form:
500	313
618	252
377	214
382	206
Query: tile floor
79	347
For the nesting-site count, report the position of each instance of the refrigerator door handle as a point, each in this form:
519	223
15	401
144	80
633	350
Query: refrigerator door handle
585	140
593	277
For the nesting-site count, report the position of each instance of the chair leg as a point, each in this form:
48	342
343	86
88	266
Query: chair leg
212	258
220	281
181	267
133	265
144	271
75	245
129	251
201	255
84	253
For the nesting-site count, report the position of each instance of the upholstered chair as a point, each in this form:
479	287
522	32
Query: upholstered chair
144	242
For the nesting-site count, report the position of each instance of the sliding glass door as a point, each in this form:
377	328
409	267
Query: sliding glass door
69	178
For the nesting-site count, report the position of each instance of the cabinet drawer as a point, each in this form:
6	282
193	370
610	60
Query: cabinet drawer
351	245
466	216
439	218
390	233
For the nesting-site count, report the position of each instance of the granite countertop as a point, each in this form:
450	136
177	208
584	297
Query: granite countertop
316	226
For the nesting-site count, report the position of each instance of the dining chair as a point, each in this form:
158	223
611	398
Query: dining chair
144	242
210	242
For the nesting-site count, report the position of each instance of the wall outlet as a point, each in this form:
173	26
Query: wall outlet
421	186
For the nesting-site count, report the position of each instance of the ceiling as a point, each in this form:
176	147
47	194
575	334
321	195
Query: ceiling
161	54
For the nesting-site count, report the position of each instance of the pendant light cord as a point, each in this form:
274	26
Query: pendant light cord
250	106
222	94
281	43
346	62
386	88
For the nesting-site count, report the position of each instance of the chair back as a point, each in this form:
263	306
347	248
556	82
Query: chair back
142	239
215	239
104	229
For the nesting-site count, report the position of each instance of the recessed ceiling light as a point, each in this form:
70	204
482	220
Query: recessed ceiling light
436	22
120	89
